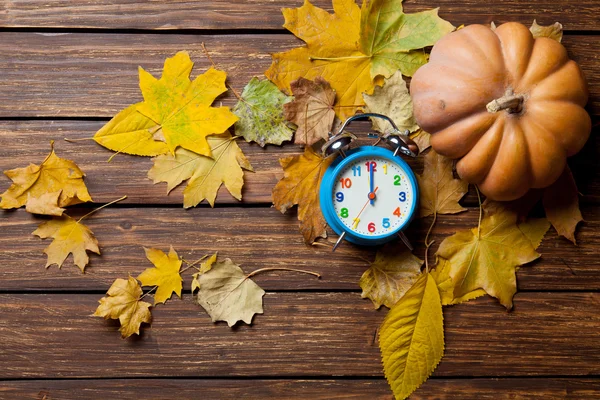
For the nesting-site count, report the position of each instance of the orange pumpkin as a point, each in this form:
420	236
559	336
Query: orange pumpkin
508	106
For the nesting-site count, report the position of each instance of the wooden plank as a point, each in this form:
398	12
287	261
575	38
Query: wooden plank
256	238
300	389
266	14
95	75
23	142
312	334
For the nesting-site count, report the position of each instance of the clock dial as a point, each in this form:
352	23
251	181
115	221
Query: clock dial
372	196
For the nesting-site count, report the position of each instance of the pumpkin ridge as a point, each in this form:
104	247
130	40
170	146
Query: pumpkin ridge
477	45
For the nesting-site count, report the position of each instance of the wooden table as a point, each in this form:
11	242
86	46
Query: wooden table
66	67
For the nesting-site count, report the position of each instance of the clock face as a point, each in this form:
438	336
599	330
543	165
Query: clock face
373	196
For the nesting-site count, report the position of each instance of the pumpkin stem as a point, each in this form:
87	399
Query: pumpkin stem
513	103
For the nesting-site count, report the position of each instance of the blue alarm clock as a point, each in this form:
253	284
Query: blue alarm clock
369	194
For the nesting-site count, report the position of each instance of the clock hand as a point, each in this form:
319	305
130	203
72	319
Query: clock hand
371	198
372	182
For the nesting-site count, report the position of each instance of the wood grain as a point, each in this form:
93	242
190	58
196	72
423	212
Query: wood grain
301	389
96	74
256	238
266	14
312	334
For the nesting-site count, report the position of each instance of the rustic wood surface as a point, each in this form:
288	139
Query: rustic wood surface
67	66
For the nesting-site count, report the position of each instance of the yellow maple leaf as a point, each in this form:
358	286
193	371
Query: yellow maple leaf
354	48
70	237
411	337
205	174
124	303
175	110
300	185
165	275
441	274
53	175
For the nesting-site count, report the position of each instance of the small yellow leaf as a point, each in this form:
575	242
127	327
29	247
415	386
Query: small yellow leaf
554	31
300	185
123	303
166	274
391	274
411	337
204	267
205	174
55	174
70	236
561	202
439	191
46	204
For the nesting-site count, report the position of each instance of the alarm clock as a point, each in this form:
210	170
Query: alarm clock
369	194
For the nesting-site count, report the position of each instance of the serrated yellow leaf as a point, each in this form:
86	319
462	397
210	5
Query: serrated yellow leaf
123	303
205	174
165	275
70	237
54	174
411	337
300	185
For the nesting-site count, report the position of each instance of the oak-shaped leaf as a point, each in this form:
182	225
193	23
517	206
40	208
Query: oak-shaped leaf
175	110
228	294
411	338
561	203
487	257
312	110
394	101
53	184
260	113
388	278
300	186
70	237
439	190
205	174
123	302
554	31
354	48
165	274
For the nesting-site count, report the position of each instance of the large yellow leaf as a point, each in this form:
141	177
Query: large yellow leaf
123	303
391	274
53	175
205	174
488	257
353	48
300	185
411	337
561	202
439	190
165	275
70	236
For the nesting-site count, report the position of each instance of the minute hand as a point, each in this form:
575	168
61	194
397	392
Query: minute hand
371	197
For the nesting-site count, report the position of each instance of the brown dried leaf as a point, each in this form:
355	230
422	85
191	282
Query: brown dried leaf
554	31
561	202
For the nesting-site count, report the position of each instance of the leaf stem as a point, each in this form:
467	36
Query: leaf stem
77	140
192	265
427	243
338	58
258	271
100	208
207	54
148	292
480	212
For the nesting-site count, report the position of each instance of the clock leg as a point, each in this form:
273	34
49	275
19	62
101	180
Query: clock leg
405	240
338	241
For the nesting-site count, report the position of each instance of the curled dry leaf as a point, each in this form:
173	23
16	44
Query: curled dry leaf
123	302
354	47
175	110
394	101
70	237
165	275
312	110
554	31
40	183
439	191
228	294
561	202
205	174
260	112
392	273
411	337
300	185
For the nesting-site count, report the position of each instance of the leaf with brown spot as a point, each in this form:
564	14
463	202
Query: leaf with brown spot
300	186
561	202
439	190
